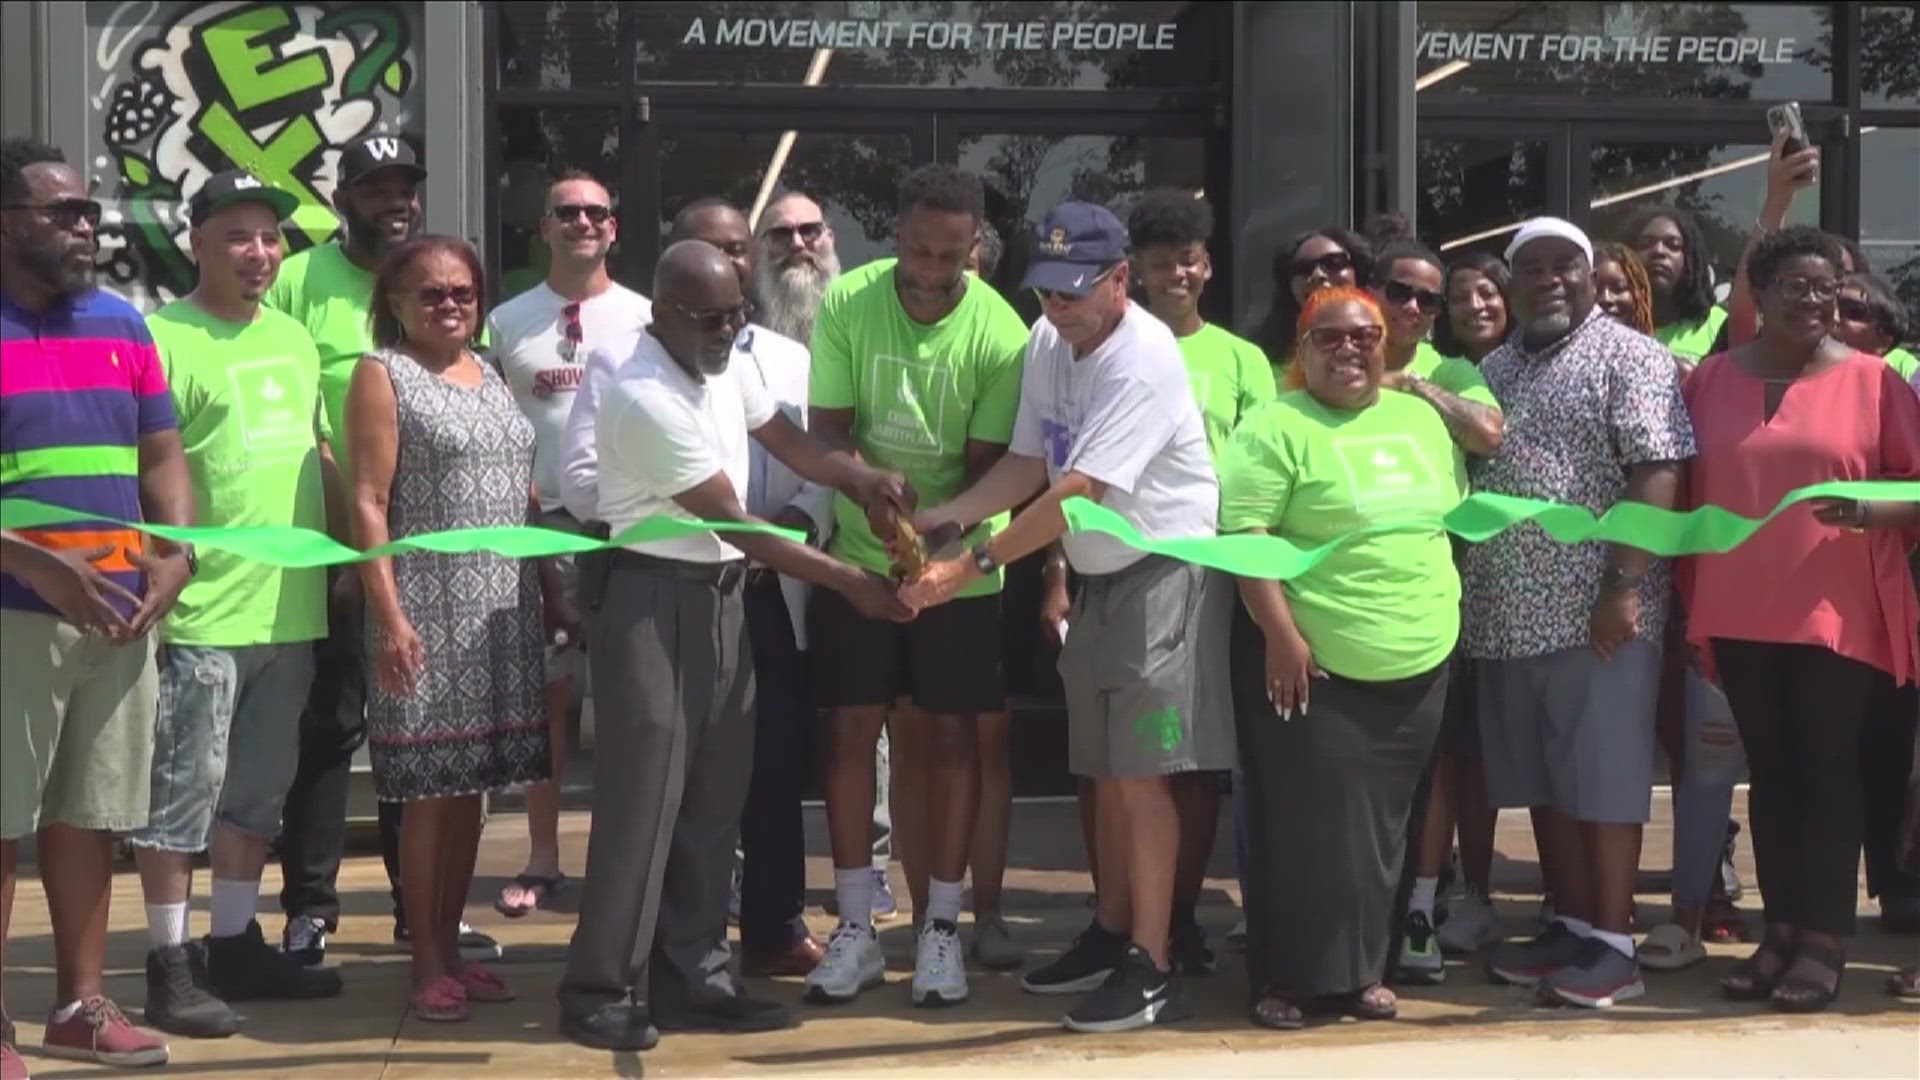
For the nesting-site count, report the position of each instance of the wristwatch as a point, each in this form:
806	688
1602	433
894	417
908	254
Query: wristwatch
193	560
983	559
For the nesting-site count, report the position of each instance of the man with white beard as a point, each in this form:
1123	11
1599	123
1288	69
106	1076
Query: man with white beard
797	262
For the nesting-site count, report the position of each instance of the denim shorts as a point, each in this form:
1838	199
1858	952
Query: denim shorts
226	738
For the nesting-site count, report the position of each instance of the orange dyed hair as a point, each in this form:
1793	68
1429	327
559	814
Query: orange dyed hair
1317	300
1635	271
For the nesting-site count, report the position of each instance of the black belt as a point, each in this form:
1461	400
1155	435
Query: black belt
726	576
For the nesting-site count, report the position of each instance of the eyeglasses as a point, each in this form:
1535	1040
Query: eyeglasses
1802	288
1328	338
572	334
1399	292
66	213
711	321
1332	264
808	233
1055	296
1856	310
595	213
432	296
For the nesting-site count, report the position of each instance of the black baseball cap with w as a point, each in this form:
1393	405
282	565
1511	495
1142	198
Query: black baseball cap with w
369	154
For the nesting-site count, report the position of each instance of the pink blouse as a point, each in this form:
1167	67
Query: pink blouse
1797	581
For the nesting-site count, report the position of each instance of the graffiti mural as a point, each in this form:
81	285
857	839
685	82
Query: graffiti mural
180	91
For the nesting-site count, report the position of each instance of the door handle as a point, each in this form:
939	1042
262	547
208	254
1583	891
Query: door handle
643	110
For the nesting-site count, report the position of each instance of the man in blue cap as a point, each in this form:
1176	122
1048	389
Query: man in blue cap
1107	414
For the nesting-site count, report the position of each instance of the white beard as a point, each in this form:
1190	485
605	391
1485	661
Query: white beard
789	297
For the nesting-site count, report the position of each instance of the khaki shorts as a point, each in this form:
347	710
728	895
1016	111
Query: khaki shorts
76	727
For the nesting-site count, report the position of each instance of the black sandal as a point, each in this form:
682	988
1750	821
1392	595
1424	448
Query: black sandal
1276	1011
1753	979
1794	993
1375	1002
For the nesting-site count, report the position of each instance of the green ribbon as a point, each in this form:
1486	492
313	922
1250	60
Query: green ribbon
1707	530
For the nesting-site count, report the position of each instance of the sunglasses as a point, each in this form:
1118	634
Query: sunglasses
66	213
1856	310
1332	264
712	321
1399	292
432	296
1328	338
1802	288
572	334
594	212
1055	296
808	233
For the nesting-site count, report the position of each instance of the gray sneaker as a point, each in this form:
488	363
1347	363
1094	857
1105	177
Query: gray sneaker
1599	977
993	944
1525	963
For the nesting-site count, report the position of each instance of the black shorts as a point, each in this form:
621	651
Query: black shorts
1460	732
948	660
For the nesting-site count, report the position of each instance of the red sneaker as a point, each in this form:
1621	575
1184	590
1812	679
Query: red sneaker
98	1031
11	1067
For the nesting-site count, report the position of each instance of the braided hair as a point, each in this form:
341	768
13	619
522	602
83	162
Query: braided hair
1631	268
1692	297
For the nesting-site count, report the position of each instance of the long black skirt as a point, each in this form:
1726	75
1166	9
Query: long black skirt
1328	795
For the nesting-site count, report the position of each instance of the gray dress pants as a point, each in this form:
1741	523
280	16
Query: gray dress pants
673	678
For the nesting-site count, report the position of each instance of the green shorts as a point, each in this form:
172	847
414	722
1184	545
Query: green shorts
76	727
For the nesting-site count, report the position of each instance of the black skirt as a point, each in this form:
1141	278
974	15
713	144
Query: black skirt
1329	794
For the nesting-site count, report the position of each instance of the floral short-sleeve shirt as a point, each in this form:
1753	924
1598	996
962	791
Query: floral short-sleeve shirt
1579	413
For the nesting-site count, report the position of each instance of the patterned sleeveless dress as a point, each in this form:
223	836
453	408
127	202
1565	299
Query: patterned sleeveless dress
475	721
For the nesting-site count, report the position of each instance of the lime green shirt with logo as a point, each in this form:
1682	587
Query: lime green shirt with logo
1903	362
248	396
1693	340
918	392
1230	377
1451	373
1386	603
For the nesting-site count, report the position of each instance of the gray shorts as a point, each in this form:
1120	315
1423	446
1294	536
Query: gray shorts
1572	732
1145	671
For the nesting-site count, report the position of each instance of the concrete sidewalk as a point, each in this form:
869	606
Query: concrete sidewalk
1466	1027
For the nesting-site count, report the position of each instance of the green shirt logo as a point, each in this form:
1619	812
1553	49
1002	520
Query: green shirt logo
1161	730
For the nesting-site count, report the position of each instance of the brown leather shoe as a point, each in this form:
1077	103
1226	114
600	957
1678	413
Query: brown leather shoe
798	960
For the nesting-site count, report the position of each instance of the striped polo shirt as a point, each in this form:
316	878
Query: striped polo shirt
79	384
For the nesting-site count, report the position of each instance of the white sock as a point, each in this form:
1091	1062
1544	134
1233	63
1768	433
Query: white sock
1422	899
233	906
943	899
1580	927
853	891
1622	943
167	924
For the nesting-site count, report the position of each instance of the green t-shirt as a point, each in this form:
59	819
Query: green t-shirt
917	392
1903	362
1693	340
326	293
1451	373
1385	605
250	418
1230	376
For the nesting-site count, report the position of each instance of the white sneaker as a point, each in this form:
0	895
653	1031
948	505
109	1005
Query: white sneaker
853	963
1470	927
939	972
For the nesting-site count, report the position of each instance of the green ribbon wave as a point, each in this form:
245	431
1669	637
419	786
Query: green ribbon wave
1709	529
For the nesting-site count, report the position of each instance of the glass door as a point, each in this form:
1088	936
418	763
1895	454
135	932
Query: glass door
1479	179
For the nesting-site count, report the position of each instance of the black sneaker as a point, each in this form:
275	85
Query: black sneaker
305	939
179	996
1420	959
245	968
475	947
1137	994
1094	955
1187	951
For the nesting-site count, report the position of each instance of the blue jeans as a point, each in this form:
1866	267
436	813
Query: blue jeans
1715	760
226	741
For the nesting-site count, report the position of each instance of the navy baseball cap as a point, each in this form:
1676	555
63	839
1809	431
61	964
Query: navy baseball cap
237	186
1076	242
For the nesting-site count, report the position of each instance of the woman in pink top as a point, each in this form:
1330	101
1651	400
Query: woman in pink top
1811	619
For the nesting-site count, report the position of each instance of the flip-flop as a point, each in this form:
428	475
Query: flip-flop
543	887
1668	947
484	984
443	1000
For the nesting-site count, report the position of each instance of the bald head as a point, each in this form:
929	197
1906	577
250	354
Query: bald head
692	269
698	305
720	223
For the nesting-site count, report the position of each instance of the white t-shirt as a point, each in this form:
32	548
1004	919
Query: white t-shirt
660	431
1125	416
528	334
